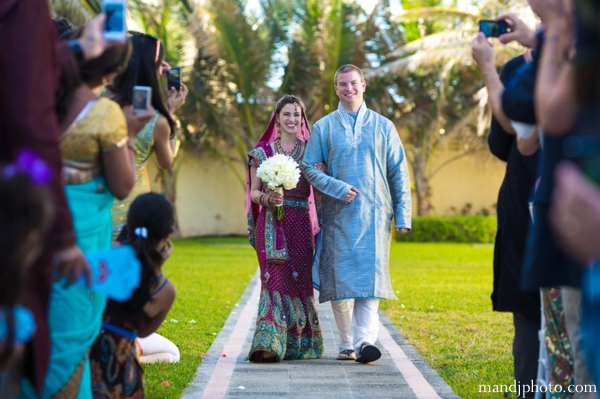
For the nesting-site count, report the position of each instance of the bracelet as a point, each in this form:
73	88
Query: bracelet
261	200
264	202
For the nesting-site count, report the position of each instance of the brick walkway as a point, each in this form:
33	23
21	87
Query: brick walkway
400	373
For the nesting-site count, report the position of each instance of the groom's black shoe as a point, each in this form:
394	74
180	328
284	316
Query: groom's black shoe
369	353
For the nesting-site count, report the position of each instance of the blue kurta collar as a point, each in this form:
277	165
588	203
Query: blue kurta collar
353	136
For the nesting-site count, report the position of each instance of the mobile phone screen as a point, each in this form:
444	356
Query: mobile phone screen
115	17
174	78
141	99
493	28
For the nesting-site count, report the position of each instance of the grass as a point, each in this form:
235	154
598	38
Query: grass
444	311
210	275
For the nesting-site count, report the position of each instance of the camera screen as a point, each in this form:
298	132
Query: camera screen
174	74
174	79
115	18
140	99
493	28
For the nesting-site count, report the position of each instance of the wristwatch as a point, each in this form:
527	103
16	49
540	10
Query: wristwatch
77	52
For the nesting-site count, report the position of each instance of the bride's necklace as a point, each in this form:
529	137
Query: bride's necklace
284	152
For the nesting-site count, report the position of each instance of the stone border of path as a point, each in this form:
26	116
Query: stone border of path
213	375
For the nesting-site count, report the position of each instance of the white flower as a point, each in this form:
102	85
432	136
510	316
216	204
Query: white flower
279	171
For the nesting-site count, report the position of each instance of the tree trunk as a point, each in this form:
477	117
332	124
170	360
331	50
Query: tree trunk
422	185
168	182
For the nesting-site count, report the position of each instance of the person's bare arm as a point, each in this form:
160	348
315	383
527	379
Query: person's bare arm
157	309
164	145
575	213
119	170
554	95
483	54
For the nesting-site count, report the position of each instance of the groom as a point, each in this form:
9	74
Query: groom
366	184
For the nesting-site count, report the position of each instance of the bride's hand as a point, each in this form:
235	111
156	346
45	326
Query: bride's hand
321	166
275	198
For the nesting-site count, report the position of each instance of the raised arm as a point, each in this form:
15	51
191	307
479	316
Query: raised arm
316	151
399	180
483	54
554	94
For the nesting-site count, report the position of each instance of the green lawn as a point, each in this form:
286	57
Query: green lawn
210	275
443	310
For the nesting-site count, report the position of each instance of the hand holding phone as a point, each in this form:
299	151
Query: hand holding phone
142	98
174	78
115	26
491	28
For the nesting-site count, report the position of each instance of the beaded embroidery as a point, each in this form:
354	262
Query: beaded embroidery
286	335
272	253
353	136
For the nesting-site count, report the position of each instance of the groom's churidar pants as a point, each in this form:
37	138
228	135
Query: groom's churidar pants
357	321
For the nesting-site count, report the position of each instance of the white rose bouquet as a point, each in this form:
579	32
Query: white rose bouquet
279	172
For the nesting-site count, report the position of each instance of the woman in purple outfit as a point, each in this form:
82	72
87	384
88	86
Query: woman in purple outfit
287	326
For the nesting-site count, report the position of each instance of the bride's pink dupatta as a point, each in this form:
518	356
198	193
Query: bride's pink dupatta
279	252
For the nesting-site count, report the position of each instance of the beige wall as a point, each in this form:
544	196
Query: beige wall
473	179
211	201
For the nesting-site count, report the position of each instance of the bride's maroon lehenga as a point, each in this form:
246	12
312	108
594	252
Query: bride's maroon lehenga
287	324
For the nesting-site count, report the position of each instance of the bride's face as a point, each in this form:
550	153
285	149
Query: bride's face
289	119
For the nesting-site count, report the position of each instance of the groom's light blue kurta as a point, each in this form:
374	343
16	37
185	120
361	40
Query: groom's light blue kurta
353	258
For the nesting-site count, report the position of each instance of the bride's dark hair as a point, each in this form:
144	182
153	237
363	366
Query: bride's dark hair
290	99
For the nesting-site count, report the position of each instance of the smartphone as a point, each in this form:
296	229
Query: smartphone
174	78
115	26
142	97
492	28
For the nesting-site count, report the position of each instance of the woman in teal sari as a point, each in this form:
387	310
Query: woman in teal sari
98	166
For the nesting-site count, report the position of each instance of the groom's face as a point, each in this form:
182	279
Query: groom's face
350	88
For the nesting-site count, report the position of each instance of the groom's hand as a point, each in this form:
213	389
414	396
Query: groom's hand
403	230
351	195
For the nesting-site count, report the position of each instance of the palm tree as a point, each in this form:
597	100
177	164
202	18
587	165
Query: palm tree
323	36
435	90
229	97
167	20
78	12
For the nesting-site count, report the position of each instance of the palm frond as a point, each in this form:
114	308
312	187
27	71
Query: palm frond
439	12
73	10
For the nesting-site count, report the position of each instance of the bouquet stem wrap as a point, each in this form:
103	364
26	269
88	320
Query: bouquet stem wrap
278	208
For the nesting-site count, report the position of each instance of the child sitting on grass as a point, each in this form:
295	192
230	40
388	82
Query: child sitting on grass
25	215
116	371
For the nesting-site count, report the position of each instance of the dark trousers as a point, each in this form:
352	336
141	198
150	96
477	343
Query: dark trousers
526	347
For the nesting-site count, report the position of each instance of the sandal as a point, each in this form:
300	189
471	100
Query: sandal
347	354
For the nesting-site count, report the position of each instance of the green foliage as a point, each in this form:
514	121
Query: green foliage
458	229
78	12
444	311
210	276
